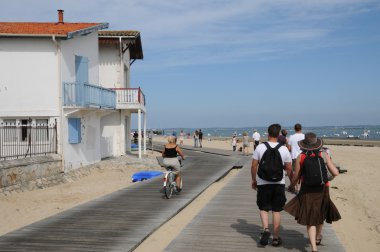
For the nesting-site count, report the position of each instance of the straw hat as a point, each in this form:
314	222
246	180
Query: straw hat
311	142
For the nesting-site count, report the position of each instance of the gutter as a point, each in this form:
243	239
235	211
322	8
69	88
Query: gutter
31	35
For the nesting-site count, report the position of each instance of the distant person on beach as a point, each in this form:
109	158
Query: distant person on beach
196	139
268	178
245	143
312	206
293	146
282	137
181	137
135	137
170	155
200	138
234	142
256	139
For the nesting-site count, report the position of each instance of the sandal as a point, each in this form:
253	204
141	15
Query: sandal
276	242
318	240
265	237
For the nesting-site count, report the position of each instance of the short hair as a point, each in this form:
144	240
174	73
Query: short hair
284	132
274	130
297	127
172	139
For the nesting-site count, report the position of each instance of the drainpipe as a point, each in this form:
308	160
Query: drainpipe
121	63
60	138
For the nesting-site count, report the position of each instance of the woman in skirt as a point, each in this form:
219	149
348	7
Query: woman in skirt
312	206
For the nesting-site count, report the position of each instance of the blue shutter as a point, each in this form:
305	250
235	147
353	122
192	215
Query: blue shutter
74	130
81	69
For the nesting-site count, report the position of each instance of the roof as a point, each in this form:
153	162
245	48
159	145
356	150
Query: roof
33	29
119	33
131	39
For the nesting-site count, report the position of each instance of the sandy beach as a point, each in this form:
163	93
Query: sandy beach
355	193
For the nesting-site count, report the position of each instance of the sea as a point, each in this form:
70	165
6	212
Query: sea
370	132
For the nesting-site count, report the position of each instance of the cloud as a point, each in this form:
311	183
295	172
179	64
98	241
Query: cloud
182	32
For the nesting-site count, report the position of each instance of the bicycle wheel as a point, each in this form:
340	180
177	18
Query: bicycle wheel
169	186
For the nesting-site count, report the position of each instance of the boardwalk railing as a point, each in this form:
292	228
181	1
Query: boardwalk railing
87	95
130	96
20	141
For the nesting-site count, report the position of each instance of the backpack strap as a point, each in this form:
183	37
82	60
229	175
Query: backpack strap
267	145
278	146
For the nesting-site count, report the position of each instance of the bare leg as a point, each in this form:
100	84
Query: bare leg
276	223
264	219
178	180
319	232
312	232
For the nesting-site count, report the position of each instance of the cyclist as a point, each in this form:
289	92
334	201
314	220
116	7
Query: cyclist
170	155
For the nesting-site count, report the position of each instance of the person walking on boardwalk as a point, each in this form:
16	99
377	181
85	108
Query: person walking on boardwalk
270	161
200	138
234	142
181	137
293	146
256	139
282	137
196	139
170	155
245	143
312	206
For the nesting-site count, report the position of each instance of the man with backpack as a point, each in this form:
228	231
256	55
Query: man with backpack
270	161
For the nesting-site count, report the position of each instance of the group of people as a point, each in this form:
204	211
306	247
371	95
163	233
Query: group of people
295	157
300	157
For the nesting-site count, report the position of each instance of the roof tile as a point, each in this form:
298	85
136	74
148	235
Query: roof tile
29	28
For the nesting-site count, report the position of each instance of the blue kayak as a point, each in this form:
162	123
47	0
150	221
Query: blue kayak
144	175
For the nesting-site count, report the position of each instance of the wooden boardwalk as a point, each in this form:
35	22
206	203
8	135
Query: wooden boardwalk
121	220
231	222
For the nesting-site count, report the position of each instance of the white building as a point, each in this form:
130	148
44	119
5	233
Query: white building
76	75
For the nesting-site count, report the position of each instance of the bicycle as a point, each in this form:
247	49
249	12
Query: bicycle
170	185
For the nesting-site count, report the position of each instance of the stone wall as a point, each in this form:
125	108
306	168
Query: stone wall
20	173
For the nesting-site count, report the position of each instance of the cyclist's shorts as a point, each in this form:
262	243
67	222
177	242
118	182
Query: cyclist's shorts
172	162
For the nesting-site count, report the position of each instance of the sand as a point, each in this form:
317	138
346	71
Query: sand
356	194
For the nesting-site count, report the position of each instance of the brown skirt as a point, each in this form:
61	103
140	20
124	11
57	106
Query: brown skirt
312	206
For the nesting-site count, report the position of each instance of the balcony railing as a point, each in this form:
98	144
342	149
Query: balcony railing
87	95
130	96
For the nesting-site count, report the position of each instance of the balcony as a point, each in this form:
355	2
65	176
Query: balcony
130	98
88	96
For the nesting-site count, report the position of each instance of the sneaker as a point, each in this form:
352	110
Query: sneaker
276	242
265	237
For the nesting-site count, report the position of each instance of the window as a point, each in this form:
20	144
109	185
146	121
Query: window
74	130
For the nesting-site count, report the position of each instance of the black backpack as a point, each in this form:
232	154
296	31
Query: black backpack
314	171
271	166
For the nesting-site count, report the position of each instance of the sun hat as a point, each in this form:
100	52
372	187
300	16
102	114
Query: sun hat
311	142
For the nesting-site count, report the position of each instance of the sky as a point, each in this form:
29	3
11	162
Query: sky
242	63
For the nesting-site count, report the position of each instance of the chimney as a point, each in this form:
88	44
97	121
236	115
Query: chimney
60	17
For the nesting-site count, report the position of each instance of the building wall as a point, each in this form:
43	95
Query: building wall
81	46
109	67
88	150
29	85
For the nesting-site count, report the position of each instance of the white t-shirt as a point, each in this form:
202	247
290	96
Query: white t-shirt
256	136
285	156
293	142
